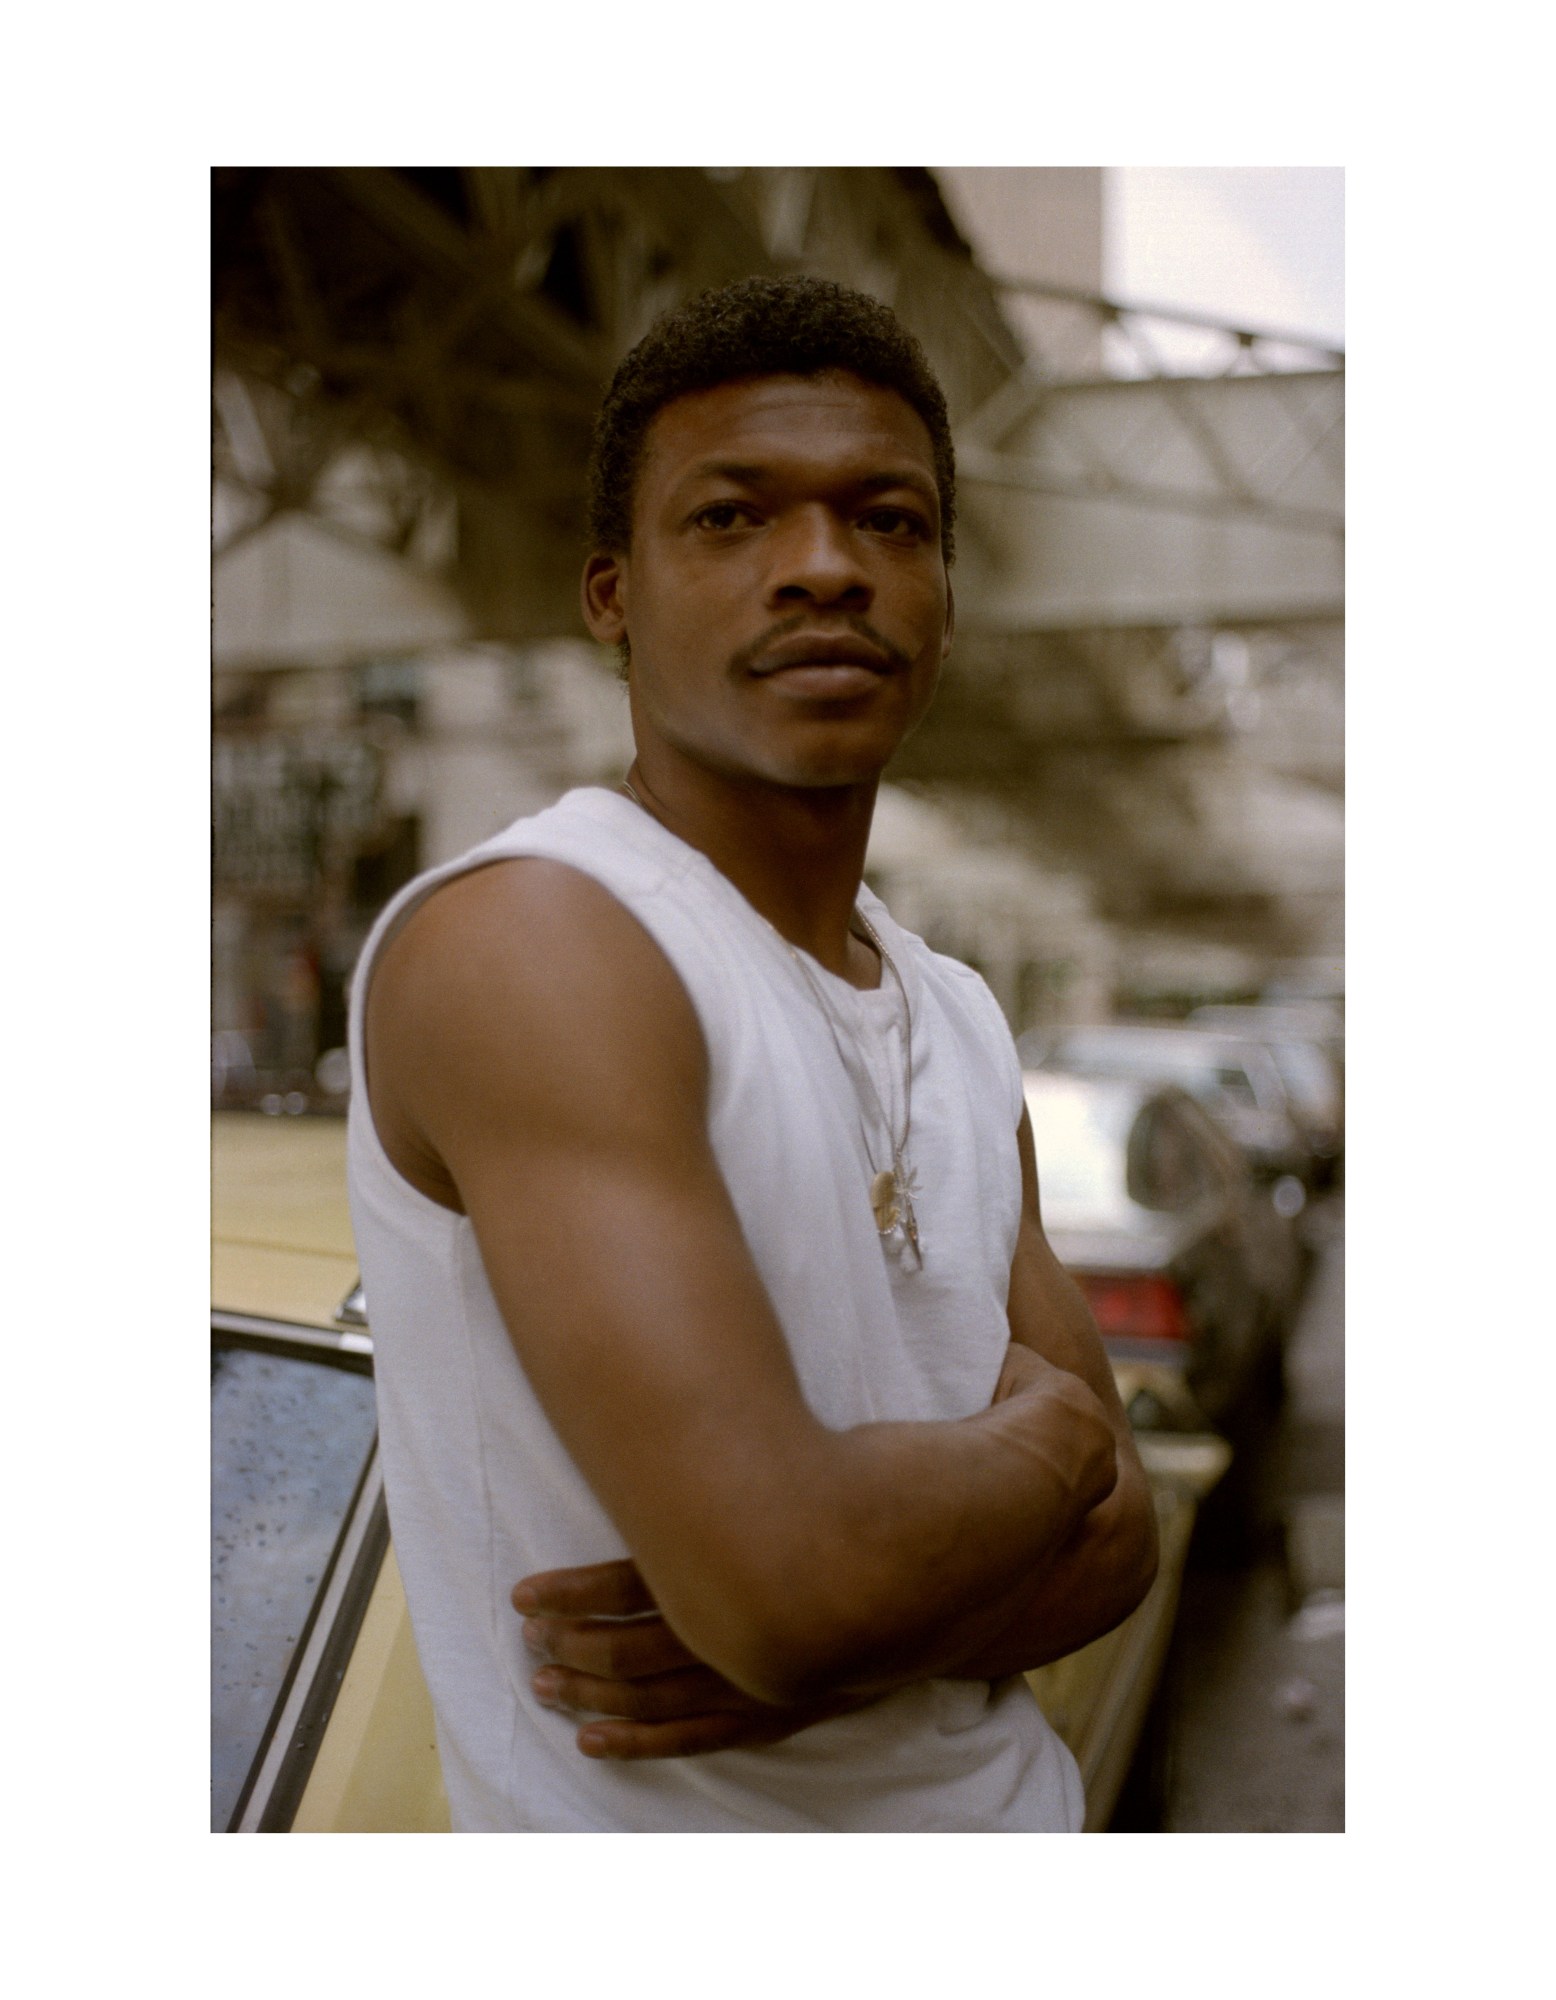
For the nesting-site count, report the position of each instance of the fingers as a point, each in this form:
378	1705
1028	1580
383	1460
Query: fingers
664	1698
631	1742
1023	1368
685	1714
649	1696
596	1590
613	1651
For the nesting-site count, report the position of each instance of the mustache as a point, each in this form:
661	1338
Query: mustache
751	656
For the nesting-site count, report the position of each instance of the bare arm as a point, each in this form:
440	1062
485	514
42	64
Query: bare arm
1097	1577
601	1650
535	1061
649	1696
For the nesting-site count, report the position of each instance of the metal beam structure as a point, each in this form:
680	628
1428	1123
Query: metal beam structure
1181	501
1126	325
447	333
407	362
1146	495
454	329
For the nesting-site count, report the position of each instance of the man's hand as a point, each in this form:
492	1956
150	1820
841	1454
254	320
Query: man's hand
601	1648
1025	1368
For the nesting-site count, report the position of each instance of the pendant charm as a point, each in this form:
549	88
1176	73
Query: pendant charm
883	1200
891	1199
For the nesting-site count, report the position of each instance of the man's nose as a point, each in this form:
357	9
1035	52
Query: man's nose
816	560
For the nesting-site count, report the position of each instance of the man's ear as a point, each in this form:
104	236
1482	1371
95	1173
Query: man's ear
604	598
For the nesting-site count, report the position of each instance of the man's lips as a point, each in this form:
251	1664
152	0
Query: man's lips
817	650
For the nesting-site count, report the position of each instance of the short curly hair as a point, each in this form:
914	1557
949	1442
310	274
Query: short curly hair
759	326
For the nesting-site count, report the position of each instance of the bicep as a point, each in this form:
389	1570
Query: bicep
555	1065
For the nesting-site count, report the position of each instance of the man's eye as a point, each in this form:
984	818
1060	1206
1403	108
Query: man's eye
722	514
898	522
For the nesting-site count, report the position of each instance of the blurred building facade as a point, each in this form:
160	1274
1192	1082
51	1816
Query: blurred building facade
1129	791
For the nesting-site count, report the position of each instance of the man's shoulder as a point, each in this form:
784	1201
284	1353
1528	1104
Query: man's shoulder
562	865
521	997
525	929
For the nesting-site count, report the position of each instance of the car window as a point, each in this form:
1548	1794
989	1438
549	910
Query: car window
1236	1085
1223	1163
290	1438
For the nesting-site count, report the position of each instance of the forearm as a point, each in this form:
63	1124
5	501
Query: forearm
917	1540
1091	1585
1083	1586
966	1614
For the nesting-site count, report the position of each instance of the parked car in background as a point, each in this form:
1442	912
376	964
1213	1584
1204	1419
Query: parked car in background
1308	1046
1236	1079
1321	1022
1181	1255
310	1653
321	1720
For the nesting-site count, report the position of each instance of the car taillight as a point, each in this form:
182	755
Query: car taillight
1136	1308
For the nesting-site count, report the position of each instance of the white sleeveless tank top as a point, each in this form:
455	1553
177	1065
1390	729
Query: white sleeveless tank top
481	1491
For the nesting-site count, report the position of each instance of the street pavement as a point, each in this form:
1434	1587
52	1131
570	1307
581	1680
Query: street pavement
1257	1684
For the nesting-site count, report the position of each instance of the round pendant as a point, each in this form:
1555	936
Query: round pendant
883	1199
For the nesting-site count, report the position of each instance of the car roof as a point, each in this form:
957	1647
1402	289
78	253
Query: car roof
281	1243
1275	1022
1169	1036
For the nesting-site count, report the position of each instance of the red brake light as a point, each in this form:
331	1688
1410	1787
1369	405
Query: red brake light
1136	1308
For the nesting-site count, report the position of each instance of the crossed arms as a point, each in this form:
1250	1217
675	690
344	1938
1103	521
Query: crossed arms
534	1061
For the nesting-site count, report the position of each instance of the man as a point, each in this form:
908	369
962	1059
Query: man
696	1200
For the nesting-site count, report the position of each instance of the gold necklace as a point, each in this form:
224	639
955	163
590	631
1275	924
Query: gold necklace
891	1188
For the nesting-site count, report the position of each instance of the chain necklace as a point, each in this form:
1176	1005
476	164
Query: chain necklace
891	1188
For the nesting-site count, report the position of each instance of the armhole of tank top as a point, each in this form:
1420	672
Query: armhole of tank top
995	1032
394	920
1002	1049
384	932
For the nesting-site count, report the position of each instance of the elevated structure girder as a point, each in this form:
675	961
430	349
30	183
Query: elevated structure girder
465	320
1175	500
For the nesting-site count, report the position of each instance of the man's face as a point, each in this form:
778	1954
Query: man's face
784	598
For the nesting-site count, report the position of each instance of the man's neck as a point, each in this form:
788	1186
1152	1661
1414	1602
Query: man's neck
796	855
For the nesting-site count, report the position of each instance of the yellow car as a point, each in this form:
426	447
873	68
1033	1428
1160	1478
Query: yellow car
321	1721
